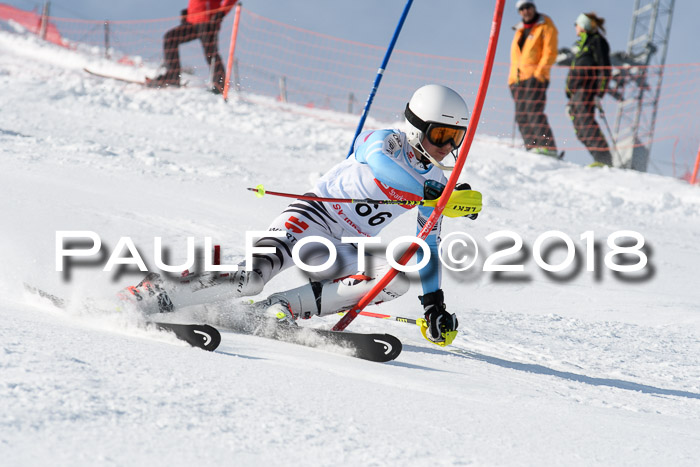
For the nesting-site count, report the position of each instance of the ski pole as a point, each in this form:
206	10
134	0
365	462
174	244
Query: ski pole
417	322
380	73
461	202
420	322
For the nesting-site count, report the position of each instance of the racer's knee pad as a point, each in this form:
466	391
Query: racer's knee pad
329	297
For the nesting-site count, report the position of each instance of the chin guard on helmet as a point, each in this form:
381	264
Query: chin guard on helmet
421	150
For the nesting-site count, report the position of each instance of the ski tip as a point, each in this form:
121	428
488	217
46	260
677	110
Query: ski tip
202	336
379	348
392	346
385	348
209	336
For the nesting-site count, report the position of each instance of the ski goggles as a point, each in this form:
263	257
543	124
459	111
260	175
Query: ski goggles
439	134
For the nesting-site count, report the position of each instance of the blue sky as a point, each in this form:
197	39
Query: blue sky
456	28
453	28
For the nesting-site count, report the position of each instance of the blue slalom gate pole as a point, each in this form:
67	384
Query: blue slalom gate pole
380	73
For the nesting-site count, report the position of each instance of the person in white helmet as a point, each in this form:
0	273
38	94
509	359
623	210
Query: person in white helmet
385	164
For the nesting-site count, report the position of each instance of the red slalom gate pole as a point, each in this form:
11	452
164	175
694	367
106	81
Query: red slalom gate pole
231	49
694	177
461	159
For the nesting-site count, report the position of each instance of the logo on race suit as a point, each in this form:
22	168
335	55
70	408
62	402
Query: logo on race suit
339	210
295	225
392	143
393	193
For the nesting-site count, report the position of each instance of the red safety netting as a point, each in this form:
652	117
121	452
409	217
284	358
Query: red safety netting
32	22
132	43
315	70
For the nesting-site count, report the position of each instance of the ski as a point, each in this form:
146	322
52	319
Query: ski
373	347
201	336
116	78
143	82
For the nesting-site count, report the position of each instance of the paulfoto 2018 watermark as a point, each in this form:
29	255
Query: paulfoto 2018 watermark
622	243
458	251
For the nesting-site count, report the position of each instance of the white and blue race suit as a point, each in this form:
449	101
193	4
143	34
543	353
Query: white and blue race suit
383	166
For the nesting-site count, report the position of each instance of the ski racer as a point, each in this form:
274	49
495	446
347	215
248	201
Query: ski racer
385	164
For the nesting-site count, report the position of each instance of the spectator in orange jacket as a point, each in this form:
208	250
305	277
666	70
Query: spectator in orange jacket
201	20
532	53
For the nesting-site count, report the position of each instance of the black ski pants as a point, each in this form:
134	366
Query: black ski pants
582	113
530	99
208	33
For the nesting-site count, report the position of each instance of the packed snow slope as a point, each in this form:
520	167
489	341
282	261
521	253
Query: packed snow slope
575	367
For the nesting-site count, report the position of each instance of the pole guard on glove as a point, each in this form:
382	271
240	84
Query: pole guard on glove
439	326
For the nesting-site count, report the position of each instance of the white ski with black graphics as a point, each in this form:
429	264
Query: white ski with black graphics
202	336
142	82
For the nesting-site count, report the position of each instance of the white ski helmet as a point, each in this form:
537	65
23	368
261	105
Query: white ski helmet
432	110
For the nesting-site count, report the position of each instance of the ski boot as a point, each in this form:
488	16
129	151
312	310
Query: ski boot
168	79
545	152
149	296
275	309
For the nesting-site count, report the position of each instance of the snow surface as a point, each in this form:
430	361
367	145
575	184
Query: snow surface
582	368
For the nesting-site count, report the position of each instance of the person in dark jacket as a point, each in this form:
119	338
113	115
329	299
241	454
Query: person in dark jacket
586	84
201	20
532	53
